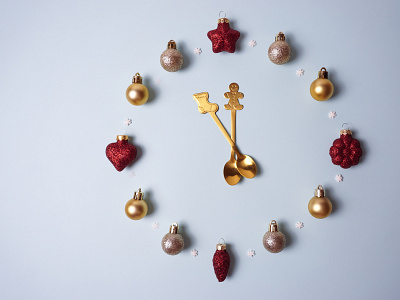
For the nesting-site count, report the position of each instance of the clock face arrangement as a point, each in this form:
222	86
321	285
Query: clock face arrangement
345	151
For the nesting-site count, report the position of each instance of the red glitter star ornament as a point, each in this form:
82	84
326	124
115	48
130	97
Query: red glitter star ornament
223	38
121	153
346	150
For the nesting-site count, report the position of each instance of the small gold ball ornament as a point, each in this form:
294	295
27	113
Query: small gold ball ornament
171	59
320	206
321	89
137	93
172	243
274	241
279	52
136	208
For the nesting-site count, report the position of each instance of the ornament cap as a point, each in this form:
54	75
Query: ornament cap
138	195
171	44
221	246
319	192
280	37
345	131
122	137
174	228
323	73
137	78
223	20
273	226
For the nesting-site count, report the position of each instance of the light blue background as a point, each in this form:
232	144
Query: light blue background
64	69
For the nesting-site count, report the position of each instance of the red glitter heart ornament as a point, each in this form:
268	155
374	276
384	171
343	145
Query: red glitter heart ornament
221	262
121	153
345	151
223	38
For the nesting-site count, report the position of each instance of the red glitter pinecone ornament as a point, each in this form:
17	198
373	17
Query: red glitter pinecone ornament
224	37
346	150
121	153
221	261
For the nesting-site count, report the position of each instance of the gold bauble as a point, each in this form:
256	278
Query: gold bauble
136	208
137	93
321	89
320	206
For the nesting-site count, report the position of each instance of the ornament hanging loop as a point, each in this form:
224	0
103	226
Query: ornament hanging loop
323	73
221	246
137	78
222	12
345	124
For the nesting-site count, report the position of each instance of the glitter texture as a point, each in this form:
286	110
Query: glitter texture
345	151
172	243
171	60
223	38
279	52
121	154
221	261
274	242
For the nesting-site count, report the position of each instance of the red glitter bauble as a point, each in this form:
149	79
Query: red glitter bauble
121	153
223	38
221	261
345	151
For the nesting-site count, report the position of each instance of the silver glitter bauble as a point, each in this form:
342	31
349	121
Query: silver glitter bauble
274	241
279	51
172	243
171	59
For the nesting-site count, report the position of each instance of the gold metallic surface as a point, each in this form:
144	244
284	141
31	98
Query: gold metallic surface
136	208
137	93
122	137
231	172
345	131
274	241
321	89
223	20
245	164
172	243
221	246
171	44
320	206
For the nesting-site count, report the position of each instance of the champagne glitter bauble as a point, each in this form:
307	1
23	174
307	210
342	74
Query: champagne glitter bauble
121	153
321	89
279	52
345	151
320	206
171	59
221	262
136	208
172	243
274	241
223	38
137	93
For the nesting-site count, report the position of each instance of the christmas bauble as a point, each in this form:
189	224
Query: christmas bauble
136	208
137	93
319	206
224	37
171	59
345	151
221	262
279	52
172	243
321	89
274	241
121	153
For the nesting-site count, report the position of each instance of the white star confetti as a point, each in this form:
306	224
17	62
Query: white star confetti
300	72
127	122
155	225
194	253
131	174
158	81
332	114
252	43
339	178
299	225
251	253
197	51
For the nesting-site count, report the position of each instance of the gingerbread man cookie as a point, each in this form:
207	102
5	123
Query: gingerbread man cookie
233	97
